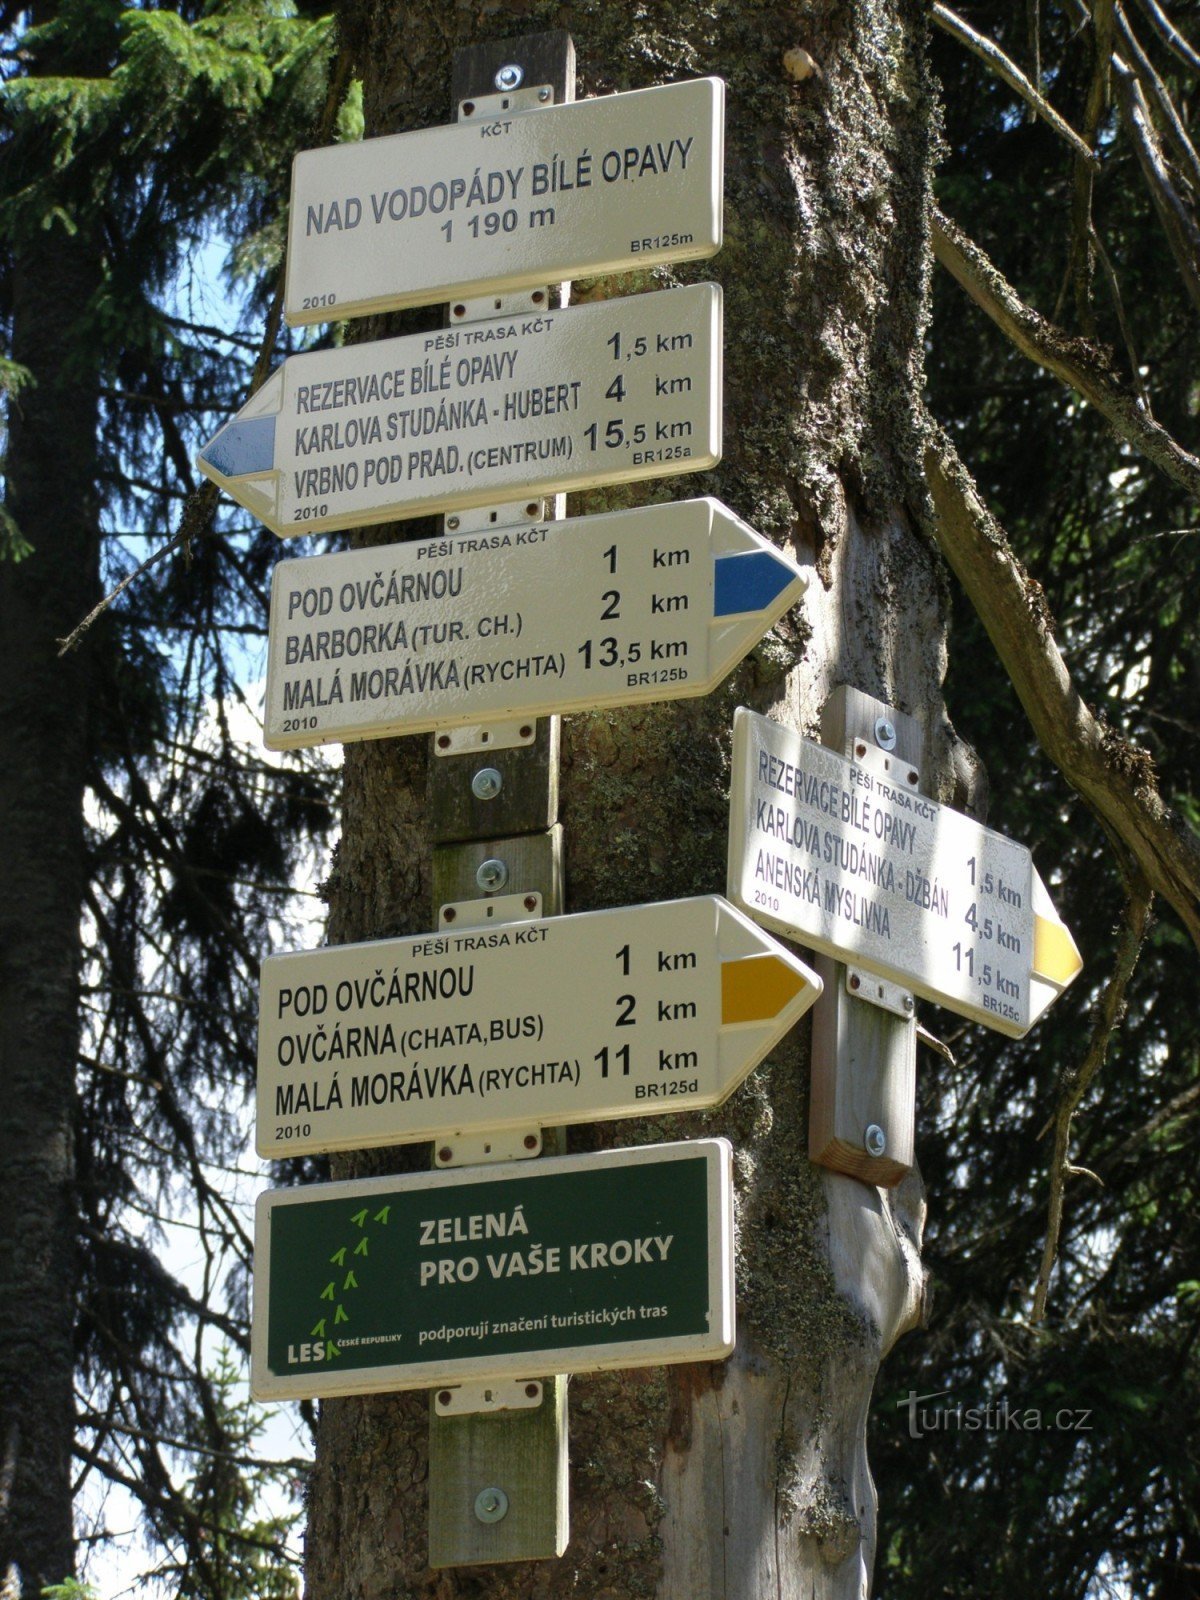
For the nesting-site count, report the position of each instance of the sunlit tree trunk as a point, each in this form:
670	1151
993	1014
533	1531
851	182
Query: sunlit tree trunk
746	1478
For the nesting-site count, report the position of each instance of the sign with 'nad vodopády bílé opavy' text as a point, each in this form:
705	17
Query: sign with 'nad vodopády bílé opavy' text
505	202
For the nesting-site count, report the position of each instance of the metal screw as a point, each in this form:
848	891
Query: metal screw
491	1504
486	784
530	1141
445	1153
885	734
532	1390
491	875
874	1139
509	77
444	1397
543	95
908	1002
452	524
855	981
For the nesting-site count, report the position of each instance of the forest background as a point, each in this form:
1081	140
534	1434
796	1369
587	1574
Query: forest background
152	859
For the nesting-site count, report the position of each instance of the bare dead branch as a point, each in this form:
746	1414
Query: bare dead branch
1078	1080
1183	237
1170	35
1004	67
1159	95
197	514
1114	289
1178	1106
1084	366
1115	778
1083	235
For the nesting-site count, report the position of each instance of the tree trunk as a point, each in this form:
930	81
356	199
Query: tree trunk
51	476
747	1477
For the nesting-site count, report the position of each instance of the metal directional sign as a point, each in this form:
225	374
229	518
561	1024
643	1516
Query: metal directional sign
622	1259
605	1014
506	202
651	604
493	411
847	857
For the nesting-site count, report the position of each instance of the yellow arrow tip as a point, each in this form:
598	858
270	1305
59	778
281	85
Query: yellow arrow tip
1056	958
757	988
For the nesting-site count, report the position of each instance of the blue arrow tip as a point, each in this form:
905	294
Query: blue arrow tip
242	446
749	580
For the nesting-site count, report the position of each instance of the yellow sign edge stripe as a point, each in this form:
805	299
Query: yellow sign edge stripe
757	988
1055	956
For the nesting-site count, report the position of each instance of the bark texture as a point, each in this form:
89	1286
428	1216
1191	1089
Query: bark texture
51	473
746	1478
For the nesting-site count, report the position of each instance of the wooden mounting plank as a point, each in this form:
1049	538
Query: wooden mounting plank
864	1057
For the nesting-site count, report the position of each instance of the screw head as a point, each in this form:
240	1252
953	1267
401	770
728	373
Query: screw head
874	1139
491	875
491	1504
885	734
486	784
543	95
509	77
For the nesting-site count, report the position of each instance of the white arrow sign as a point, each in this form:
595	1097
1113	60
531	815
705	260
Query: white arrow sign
652	604
493	411
850	859
506	202
604	1014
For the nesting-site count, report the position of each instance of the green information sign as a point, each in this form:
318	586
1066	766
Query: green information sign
621	1259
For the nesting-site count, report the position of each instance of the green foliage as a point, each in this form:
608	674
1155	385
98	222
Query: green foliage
239	1554
157	133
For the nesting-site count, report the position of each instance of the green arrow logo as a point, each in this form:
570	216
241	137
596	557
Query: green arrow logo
340	1314
327	1293
331	1350
338	1257
319	1331
360	1249
351	1281
382	1216
360	1217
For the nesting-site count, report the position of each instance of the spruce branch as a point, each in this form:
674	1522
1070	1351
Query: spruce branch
1004	67
1080	364
1115	778
1078	1080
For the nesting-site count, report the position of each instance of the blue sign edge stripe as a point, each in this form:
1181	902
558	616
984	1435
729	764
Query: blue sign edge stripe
748	580
243	446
